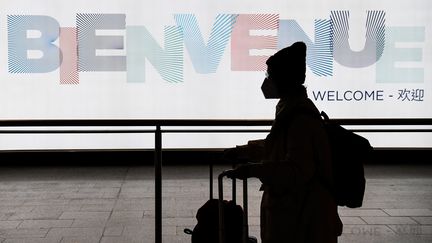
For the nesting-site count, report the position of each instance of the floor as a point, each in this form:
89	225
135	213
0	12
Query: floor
116	204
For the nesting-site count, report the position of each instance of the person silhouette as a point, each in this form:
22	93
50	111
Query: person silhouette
294	159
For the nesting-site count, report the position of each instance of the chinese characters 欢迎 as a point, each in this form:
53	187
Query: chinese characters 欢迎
411	95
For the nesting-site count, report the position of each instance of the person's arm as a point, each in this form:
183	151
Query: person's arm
251	152
256	150
297	167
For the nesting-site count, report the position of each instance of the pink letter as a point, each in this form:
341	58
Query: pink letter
242	41
68	56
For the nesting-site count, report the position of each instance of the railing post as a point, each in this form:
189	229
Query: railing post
158	184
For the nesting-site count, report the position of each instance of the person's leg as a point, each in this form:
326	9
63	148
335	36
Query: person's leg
278	223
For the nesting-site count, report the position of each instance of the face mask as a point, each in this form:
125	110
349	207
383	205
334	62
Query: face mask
269	89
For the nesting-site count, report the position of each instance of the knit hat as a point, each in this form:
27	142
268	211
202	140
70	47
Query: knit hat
288	65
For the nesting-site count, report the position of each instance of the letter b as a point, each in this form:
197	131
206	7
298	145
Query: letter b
20	43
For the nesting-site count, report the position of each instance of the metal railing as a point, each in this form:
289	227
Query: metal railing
49	125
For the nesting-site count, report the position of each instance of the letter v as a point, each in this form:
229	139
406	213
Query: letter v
206	58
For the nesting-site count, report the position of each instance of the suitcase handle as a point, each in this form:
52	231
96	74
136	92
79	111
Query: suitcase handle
221	209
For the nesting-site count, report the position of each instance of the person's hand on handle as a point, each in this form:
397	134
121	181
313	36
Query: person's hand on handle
240	172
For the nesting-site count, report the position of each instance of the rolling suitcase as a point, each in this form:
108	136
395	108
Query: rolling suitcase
211	226
222	230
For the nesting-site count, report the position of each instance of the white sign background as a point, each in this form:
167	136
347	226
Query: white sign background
225	94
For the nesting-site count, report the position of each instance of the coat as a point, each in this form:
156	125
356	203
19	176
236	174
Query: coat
296	173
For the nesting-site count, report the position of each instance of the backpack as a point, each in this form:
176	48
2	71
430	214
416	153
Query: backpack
349	152
207	228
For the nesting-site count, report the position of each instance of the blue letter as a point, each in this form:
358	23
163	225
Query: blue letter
386	70
206	58
141	45
19	44
375	38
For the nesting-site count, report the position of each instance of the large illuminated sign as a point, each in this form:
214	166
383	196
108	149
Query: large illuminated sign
204	59
331	44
